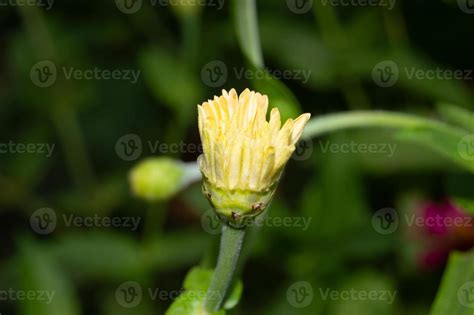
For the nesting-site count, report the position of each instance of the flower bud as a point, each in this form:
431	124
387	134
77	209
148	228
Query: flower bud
160	178
243	154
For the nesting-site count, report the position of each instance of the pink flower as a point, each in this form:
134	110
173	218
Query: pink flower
445	227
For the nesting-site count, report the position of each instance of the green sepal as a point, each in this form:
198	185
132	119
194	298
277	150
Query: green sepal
236	207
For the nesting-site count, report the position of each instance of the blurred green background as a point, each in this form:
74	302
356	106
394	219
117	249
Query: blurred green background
91	81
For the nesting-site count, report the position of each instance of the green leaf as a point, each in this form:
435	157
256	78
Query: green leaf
280	96
456	293
294	45
40	273
198	279
234	296
445	141
171	81
457	115
246	24
441	137
196	284
466	204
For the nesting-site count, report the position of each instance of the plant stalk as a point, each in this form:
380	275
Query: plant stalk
231	244
362	119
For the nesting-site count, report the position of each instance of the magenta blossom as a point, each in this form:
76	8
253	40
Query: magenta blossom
444	227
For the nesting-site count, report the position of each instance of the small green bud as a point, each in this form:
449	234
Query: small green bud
157	178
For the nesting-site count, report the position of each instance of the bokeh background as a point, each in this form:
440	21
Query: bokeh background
82	84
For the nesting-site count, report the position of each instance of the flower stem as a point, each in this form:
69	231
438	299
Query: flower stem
358	119
231	243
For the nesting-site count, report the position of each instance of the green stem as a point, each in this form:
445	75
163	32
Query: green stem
356	119
231	243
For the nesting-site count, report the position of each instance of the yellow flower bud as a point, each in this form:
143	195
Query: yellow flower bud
243	154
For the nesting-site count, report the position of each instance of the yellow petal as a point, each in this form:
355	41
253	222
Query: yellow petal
298	127
241	150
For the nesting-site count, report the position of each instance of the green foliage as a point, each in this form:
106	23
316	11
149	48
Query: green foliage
170	81
336	193
246	25
196	284
456	289
40	273
457	115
